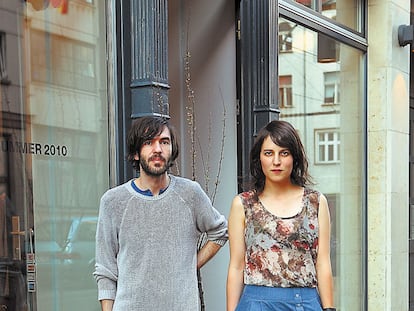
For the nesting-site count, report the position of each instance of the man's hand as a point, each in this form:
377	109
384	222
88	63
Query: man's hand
206	253
107	305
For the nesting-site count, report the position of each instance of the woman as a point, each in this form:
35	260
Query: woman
279	231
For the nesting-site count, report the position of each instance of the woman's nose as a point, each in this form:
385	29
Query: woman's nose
276	160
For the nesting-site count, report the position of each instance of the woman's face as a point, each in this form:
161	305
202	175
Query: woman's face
276	161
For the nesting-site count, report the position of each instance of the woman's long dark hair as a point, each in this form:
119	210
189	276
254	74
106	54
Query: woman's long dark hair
146	128
284	135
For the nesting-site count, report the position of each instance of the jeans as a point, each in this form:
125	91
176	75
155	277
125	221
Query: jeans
263	298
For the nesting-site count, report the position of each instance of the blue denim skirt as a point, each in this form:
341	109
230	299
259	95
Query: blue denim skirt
263	298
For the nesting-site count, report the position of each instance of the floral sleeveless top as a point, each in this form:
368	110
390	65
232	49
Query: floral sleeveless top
281	252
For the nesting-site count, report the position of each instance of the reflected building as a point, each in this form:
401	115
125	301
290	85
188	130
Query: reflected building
54	126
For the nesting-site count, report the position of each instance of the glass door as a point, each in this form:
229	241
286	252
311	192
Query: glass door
321	93
53	151
16	199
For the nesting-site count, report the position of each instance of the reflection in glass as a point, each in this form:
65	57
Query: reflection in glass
346	12
53	152
69	121
329	120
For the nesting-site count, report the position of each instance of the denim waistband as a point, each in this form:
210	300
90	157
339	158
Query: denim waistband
283	293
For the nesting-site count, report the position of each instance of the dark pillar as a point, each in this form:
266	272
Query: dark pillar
149	58
259	69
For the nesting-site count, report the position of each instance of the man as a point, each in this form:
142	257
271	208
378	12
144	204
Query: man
148	228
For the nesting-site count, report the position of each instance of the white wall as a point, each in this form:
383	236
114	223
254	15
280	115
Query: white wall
388	156
205	31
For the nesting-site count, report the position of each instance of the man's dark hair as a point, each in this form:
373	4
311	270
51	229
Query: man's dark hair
284	135
146	128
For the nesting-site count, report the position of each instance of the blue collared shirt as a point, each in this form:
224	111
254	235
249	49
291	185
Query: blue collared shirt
145	192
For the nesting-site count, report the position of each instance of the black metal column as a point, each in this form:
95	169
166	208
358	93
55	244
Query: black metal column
149	58
141	62
259	71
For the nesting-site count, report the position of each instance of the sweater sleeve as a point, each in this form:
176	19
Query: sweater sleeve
106	272
208	219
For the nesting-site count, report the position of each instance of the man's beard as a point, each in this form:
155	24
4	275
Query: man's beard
154	171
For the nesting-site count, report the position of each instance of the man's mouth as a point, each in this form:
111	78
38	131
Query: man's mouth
157	159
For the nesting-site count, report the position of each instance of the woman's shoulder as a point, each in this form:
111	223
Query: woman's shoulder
247	197
314	196
312	192
247	194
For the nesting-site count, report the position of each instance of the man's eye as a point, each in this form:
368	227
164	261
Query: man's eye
147	143
165	142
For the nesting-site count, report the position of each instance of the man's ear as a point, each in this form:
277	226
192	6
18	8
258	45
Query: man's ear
136	157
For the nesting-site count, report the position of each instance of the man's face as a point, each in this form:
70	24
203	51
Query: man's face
155	154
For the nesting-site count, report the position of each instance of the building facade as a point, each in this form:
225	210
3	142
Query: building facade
75	73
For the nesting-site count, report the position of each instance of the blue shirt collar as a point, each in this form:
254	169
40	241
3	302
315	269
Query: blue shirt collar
145	192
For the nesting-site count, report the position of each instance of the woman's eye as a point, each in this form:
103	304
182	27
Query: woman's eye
285	153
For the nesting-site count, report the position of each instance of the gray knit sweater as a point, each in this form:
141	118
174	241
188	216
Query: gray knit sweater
146	246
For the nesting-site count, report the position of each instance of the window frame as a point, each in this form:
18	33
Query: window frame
4	78
285	38
334	81
285	92
335	143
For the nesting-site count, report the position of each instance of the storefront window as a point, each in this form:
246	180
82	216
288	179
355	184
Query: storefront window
346	12
327	108
53	152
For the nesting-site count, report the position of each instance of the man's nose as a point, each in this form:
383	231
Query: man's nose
157	146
